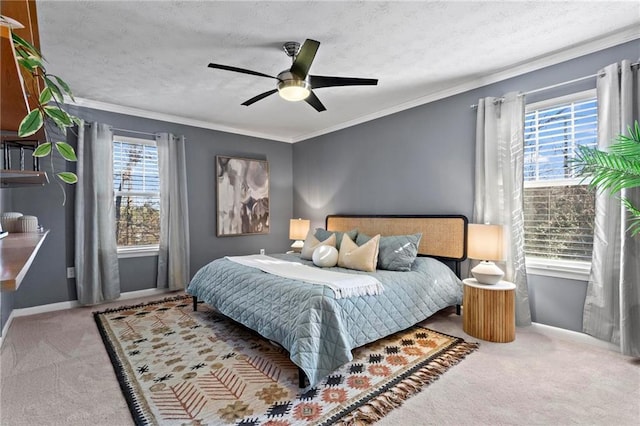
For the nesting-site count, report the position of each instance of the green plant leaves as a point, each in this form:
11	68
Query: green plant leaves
615	169
45	96
25	45
66	151
628	146
31	123
65	87
634	220
42	150
607	170
61	118
30	63
55	90
31	60
68	177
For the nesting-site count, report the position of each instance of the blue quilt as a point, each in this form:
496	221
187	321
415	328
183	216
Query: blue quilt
318	330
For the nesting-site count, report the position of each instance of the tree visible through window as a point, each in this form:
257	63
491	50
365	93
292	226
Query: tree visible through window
136	187
559	210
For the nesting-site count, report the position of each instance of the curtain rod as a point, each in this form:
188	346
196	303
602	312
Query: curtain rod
554	86
134	131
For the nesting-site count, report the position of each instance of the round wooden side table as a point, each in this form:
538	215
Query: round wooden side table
489	310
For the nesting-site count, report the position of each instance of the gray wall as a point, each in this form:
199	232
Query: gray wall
46	281
421	161
557	301
410	162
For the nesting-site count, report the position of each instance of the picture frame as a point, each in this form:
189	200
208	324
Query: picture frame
242	201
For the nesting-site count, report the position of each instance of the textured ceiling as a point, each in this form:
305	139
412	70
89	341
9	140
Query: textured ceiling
153	55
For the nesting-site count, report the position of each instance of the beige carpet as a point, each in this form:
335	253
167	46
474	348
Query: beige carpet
55	371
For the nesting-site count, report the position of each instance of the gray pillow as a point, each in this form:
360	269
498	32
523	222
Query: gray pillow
323	234
396	252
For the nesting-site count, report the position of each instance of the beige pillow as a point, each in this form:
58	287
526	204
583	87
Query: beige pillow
363	258
311	243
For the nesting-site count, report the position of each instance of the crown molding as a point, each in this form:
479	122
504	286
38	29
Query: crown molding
619	37
171	118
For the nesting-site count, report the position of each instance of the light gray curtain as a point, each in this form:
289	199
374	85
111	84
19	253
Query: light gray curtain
612	305
174	255
96	257
499	181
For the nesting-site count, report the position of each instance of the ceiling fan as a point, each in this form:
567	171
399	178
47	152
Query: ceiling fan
296	84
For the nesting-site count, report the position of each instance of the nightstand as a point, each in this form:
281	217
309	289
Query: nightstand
489	310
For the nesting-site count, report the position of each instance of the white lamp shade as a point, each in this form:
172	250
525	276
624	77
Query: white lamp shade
298	229
485	242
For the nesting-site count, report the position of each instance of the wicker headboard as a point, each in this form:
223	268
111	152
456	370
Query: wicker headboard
443	236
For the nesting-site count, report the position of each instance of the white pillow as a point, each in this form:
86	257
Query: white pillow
363	258
311	242
325	256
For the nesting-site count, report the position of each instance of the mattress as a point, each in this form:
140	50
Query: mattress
318	330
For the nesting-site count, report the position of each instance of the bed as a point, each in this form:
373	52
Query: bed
316	328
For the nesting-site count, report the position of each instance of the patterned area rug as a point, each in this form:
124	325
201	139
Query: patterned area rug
178	367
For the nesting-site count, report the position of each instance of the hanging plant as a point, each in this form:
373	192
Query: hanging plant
48	111
615	169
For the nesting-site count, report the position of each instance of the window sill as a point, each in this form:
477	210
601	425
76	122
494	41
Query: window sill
138	251
572	270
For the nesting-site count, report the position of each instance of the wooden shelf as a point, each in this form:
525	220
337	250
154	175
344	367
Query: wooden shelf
17	251
18	178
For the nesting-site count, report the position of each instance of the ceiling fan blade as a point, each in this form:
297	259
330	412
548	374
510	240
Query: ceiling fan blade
259	97
319	81
242	70
302	63
313	100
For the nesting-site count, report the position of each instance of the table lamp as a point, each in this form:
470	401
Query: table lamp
298	229
485	243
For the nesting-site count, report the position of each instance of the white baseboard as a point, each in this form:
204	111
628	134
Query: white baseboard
573	336
51	307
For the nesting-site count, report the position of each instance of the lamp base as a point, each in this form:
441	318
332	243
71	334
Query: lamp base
487	273
296	247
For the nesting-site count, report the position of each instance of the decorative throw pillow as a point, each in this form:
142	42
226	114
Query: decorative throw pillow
323	234
311	242
325	256
363	258
396	252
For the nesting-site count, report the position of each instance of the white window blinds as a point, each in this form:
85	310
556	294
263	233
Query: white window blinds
559	210
137	191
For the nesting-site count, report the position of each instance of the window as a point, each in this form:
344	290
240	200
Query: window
136	187
559	210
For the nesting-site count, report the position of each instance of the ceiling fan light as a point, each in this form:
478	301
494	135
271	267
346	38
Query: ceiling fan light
294	90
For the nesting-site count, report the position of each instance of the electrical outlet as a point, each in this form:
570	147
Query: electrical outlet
261	251
71	272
